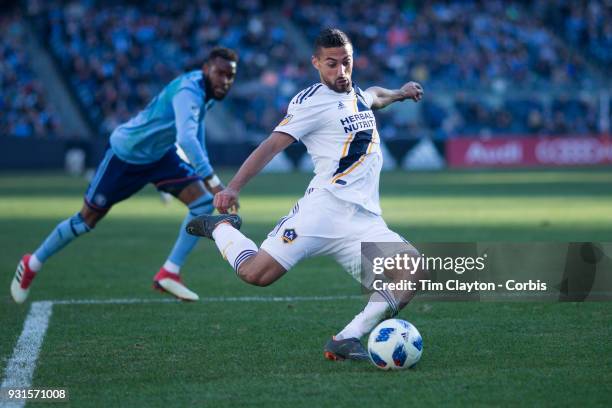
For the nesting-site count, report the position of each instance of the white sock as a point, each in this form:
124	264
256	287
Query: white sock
172	267
374	312
234	246
34	263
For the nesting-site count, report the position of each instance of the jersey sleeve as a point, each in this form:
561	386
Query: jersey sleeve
189	135
367	97
299	121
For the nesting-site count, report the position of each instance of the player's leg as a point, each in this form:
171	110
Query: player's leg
173	175
199	202
382	304
99	198
261	269
65	232
251	264
254	266
279	252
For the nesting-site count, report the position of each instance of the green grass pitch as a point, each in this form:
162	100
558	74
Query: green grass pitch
270	354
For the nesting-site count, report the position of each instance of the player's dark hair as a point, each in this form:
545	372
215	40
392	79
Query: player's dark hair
222	52
330	38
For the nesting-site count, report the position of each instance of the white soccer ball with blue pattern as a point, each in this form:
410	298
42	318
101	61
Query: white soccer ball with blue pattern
395	344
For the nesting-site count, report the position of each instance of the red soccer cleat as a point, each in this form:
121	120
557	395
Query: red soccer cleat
20	287
171	283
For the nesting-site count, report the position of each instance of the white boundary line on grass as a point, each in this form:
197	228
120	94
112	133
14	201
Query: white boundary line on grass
22	363
20	368
206	300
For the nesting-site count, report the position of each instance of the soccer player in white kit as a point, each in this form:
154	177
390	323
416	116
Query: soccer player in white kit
341	208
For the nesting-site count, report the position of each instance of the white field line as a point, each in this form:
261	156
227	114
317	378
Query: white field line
20	367
206	299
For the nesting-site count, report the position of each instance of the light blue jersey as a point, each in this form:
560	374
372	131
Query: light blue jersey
176	114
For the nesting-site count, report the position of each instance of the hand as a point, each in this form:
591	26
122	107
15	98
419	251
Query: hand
226	199
217	189
234	208
412	90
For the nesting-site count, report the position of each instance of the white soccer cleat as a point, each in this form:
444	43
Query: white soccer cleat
171	283
20	286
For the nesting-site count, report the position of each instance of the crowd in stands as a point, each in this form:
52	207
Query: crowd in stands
455	43
24	110
585	25
117	55
474	45
471	115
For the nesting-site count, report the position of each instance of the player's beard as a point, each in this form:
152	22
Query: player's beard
340	87
210	91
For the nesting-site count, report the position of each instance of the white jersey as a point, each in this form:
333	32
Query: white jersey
339	132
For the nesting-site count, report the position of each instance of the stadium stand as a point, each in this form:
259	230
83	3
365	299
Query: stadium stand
466	47
465	44
117	55
585	25
489	67
25	111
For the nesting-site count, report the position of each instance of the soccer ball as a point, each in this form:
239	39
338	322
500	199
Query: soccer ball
395	344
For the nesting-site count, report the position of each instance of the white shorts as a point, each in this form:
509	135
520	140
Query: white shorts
321	224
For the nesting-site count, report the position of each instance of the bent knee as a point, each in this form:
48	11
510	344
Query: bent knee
254	276
91	217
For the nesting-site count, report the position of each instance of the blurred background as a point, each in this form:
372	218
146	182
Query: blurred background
513	137
508	83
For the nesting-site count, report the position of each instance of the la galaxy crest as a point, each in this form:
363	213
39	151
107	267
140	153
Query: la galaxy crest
286	120
289	235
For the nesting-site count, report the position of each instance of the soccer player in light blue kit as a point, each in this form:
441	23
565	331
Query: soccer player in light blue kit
143	151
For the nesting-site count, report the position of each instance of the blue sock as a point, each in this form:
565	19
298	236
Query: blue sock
61	236
185	242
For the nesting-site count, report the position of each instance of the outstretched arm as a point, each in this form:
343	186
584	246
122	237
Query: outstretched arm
190	137
384	97
275	143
